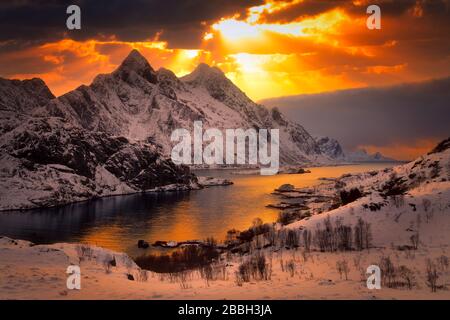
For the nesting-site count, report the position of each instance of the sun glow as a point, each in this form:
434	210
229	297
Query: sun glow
273	49
235	29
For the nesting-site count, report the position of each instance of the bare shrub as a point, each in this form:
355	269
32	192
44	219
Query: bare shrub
292	239
142	275
183	279
415	240
190	257
363	235
443	263
213	272
254	268
407	275
307	240
398	200
211	241
231	236
290	267
343	268
426	203
332	238
429	215
357	261
325	238
270	236
388	274
344	236
285	217
432	275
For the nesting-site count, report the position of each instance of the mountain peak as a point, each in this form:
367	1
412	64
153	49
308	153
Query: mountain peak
136	62
23	95
203	72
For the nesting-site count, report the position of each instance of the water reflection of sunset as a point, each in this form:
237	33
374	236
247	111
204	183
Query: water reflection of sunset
200	214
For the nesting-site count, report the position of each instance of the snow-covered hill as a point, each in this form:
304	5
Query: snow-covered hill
399	202
139	103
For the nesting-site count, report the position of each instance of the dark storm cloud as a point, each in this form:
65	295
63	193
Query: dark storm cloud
388	8
374	116
179	21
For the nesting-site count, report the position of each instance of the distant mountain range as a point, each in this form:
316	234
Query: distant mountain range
333	149
412	114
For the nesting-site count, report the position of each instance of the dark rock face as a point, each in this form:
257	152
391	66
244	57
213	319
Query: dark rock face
136	102
442	146
330	147
56	142
136	63
52	162
23	96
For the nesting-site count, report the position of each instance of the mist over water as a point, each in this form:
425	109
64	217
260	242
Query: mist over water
117	223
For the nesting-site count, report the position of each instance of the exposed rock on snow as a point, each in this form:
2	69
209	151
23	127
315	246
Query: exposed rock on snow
49	162
23	96
211	181
331	148
138	103
285	188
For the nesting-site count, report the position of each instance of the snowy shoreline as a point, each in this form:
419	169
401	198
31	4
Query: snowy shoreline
407	208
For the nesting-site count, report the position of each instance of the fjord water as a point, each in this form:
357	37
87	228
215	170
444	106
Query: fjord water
117	223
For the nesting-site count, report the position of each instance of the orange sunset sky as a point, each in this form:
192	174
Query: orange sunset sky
268	48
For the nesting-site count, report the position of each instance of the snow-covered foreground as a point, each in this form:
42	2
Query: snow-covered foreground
407	207
38	272
409	199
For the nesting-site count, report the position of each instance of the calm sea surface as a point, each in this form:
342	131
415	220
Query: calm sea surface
119	222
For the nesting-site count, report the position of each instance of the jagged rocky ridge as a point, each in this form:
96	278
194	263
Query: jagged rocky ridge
47	161
141	104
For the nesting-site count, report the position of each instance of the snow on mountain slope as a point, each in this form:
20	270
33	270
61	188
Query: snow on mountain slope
397	202
17	98
49	162
331	148
23	96
136	102
363	156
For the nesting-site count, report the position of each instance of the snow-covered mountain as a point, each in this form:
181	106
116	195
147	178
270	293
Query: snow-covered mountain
23	96
142	104
48	161
361	155
331	148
